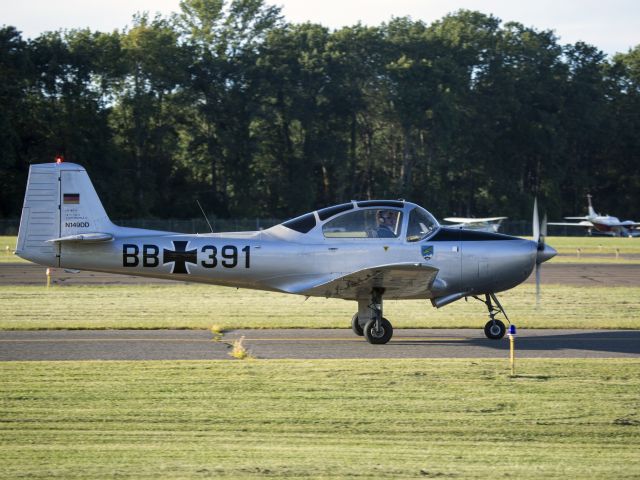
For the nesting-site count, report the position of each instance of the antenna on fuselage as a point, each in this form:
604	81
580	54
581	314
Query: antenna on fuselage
205	215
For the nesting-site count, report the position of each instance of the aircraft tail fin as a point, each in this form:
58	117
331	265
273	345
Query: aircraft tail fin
59	202
592	212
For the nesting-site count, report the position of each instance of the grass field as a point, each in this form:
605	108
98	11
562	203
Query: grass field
600	259
202	306
595	249
595	245
7	246
603	247
321	419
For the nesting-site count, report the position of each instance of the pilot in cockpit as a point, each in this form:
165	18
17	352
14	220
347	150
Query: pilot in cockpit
387	220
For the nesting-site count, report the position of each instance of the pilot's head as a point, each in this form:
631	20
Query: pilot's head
387	218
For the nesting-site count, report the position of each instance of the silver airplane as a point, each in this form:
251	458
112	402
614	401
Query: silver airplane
364	251
489	224
602	224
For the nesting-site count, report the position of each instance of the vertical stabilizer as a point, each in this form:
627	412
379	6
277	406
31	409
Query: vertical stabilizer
592	212
60	201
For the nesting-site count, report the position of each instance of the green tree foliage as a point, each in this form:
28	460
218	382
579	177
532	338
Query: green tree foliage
227	103
148	113
15	76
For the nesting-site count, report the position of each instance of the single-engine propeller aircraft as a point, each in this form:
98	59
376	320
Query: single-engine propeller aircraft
602	224
365	251
489	224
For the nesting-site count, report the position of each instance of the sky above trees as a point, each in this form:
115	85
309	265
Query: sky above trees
611	26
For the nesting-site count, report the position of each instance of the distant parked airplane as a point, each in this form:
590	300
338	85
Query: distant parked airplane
603	224
489	224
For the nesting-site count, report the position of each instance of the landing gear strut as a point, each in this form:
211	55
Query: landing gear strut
494	329
369	322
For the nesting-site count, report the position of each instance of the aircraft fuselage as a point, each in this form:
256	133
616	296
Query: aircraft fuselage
259	261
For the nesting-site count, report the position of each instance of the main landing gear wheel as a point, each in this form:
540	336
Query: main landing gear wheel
355	325
378	336
495	329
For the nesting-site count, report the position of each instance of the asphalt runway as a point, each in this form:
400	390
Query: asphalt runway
589	274
310	344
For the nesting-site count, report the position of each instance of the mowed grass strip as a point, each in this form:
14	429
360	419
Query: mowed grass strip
321	419
202	306
7	247
595	250
595	245
609	250
588	260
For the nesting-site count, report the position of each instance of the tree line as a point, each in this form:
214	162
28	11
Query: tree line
228	103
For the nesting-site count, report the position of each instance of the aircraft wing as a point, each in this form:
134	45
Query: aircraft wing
583	224
473	220
398	280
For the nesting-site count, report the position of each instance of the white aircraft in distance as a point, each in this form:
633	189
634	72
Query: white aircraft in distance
602	224
364	251
490	224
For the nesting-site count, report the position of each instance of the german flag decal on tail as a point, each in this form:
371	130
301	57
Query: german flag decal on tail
71	198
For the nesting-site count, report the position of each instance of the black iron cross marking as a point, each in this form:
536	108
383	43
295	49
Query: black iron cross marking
180	256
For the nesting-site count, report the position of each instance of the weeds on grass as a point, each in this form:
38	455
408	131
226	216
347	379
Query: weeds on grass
238	350
217	332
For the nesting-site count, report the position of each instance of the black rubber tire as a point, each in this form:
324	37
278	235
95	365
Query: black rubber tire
495	329
381	337
355	325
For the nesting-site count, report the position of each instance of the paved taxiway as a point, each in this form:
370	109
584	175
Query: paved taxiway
310	344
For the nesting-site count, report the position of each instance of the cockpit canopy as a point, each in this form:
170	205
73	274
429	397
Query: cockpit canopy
365	223
367	219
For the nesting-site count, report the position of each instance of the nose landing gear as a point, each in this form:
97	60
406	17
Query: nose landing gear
494	329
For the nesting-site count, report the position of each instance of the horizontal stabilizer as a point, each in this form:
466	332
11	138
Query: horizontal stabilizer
84	238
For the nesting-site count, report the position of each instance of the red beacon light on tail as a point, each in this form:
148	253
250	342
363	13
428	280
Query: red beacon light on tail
59	159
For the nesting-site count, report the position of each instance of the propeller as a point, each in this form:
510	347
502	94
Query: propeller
545	252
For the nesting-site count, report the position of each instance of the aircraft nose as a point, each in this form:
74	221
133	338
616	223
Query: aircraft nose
547	253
